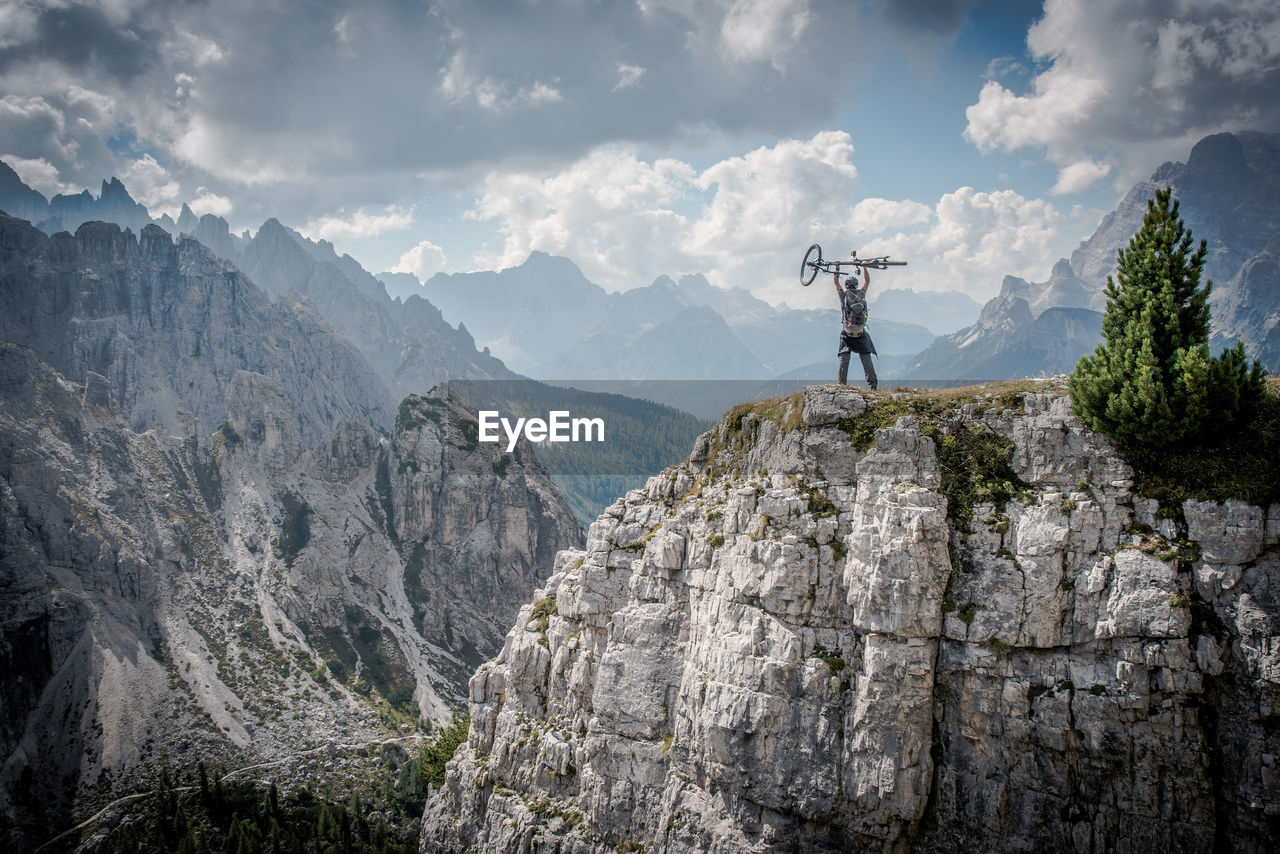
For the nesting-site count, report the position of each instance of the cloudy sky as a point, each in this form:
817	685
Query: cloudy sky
638	137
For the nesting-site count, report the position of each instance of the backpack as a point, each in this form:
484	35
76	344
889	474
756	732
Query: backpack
853	311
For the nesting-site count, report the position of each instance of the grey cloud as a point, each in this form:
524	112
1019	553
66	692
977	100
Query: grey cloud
346	104
82	37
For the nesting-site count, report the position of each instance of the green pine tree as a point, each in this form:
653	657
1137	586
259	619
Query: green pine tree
1152	381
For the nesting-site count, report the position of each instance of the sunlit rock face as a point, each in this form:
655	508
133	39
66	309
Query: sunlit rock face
804	639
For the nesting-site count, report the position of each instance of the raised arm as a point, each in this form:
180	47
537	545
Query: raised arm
866	280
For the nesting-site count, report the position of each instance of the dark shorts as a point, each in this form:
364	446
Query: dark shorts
856	344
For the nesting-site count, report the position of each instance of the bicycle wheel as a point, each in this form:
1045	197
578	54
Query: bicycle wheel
809	266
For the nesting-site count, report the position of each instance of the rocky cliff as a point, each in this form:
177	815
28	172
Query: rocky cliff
168	326
243	595
899	623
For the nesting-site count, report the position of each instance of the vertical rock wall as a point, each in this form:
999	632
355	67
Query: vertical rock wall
791	643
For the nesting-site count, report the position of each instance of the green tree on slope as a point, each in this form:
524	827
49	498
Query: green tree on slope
1152	381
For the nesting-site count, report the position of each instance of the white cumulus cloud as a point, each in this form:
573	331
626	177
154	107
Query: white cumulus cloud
1079	175
745	221
1135	78
614	214
770	198
973	239
39	174
153	186
359	225
207	202
764	29
424	261
874	216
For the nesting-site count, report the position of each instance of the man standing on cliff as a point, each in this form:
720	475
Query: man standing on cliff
853	328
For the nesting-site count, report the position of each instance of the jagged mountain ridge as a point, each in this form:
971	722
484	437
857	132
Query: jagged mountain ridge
1229	196
412	348
67	213
1015	337
169	325
224	544
799	642
545	316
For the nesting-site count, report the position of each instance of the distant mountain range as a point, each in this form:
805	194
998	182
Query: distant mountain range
1229	193
67	213
545	316
549	321
403	346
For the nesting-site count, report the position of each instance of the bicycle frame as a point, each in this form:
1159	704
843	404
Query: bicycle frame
814	263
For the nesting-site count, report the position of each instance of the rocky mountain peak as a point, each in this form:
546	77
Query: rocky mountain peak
1219	158
156	245
1007	310
187	220
276	259
114	192
1061	269
272	230
19	200
106	242
1013	285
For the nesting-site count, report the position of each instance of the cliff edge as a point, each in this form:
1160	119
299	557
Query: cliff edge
896	623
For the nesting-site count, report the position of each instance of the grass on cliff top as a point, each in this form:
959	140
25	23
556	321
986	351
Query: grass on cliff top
1244	464
786	410
888	404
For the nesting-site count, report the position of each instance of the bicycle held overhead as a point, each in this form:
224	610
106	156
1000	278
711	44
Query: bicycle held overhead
814	264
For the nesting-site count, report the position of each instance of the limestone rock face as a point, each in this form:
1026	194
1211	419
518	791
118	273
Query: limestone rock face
169	325
241	595
792	642
223	546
